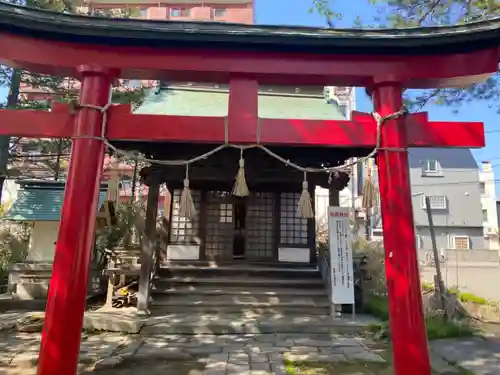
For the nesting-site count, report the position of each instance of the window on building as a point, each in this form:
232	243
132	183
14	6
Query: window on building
431	165
460	242
126	185
143	12
219	12
180	12
482	188
431	168
175	12
485	215
438	202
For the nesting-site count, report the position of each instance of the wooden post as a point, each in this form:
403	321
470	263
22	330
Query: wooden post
148	247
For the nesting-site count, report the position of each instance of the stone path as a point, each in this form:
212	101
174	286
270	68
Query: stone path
478	355
222	354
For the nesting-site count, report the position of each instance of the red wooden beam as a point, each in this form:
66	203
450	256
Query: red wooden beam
205	65
360	132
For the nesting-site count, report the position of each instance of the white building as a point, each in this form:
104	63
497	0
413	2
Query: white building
489	206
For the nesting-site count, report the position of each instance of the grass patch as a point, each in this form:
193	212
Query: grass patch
437	326
337	368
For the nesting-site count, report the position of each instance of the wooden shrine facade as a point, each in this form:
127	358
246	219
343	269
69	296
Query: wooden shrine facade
264	226
98	51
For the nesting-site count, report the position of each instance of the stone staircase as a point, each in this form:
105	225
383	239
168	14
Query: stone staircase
246	288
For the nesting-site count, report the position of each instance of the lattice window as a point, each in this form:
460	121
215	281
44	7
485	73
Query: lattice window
219	231
260	226
183	230
293	229
438	202
460	242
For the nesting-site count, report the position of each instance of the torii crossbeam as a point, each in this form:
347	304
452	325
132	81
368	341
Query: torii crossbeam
99	51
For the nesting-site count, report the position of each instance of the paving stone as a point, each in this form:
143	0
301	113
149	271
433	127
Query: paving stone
214	372
149	353
25	359
219	357
259	358
131	348
440	366
211	364
303	349
475	354
204	350
362	355
260	366
107	363
266	338
237	369
238	356
315	357
278	368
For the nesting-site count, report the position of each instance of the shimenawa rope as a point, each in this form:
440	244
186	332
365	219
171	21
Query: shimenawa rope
187	208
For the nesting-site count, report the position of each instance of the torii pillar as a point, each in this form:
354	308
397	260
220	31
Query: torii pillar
406	317
60	347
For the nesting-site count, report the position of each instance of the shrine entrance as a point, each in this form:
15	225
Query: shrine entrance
386	62
240	228
230	228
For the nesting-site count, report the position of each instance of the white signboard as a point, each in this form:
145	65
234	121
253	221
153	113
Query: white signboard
341	262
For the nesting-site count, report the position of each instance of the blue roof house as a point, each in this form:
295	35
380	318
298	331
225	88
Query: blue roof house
39	203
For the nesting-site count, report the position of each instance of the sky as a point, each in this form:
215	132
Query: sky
295	12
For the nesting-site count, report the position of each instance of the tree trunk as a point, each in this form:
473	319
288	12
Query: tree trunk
12	101
57	169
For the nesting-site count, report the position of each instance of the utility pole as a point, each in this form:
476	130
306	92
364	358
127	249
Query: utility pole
439	278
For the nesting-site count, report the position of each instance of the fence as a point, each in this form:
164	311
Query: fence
476	271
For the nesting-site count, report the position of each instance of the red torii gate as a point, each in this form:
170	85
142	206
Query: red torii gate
96	51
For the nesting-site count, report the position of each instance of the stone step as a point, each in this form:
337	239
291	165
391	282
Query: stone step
228	300
238	291
270	283
192	323
240	271
236	264
161	307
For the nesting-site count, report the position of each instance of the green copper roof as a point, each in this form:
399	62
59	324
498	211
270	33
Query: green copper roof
40	201
187	101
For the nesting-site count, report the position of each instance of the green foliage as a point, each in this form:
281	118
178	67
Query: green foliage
468	297
14	241
129	220
411	13
437	326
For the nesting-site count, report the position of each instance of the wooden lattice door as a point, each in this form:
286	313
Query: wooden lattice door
219	226
293	229
260	229
184	231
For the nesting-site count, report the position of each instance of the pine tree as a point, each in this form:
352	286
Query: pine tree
413	13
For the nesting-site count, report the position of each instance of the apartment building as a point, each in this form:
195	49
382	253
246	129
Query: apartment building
462	197
237	11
